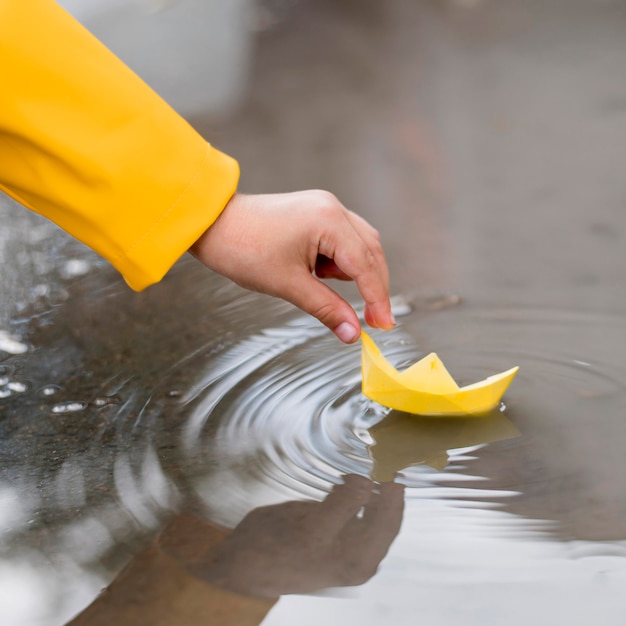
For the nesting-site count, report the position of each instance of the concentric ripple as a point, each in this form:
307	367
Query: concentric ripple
269	409
280	415
285	410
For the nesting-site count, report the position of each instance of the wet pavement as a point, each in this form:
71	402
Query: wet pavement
486	141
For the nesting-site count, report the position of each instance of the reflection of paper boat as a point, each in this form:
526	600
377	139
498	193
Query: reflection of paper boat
402	440
427	388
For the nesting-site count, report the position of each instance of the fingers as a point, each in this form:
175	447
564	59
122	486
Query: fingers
320	301
273	243
355	248
378	312
327	268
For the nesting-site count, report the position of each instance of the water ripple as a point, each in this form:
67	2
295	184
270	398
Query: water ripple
271	410
279	414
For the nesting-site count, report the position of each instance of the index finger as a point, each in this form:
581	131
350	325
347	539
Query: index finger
378	313
355	247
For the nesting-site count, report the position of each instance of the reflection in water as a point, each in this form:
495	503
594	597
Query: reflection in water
203	399
402	440
567	464
292	547
224	424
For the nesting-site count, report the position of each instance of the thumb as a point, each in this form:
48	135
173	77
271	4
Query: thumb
317	299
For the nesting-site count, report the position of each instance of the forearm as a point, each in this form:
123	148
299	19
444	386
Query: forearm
86	143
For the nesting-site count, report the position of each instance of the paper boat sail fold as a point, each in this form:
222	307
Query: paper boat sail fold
426	388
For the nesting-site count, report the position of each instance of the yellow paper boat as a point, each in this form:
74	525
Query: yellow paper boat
426	388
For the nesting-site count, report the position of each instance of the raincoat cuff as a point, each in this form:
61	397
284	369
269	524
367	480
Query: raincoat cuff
199	204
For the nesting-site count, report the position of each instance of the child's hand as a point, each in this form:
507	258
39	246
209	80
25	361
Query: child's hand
275	243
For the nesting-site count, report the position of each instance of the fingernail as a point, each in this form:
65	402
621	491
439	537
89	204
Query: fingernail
346	332
391	322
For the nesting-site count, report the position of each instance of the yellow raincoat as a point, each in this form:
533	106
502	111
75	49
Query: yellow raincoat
84	142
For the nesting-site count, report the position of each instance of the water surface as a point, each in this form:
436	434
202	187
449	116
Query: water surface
486	142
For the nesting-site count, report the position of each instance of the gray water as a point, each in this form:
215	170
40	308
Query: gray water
486	141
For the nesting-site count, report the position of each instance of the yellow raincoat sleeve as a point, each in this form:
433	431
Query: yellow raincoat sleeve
84	142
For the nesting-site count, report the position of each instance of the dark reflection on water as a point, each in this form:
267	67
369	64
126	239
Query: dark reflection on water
484	140
403	440
567	404
216	576
245	403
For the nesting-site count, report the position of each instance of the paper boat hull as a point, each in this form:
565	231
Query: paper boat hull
382	383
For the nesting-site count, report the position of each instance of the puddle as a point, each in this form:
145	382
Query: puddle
198	408
100	451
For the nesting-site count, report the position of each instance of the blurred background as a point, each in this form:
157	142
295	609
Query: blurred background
486	140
